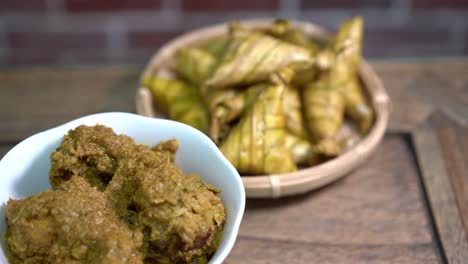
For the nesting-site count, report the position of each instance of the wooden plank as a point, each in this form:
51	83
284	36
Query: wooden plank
440	194
32	100
261	251
408	110
454	145
418	87
381	203
444	89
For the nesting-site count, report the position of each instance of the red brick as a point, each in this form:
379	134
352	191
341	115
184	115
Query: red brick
406	43
149	40
22	5
43	41
16	57
456	4
345	4
232	5
110	5
406	36
22	57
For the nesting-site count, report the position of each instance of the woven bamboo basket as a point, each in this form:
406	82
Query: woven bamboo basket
303	180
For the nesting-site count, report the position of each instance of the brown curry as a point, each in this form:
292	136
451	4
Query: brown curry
115	201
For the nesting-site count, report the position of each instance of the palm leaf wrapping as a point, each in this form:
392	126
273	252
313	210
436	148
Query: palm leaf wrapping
227	106
343	67
251	57
271	97
337	90
356	106
324	114
306	72
286	31
179	100
231	103
293	112
301	149
256	145
347	44
216	46
194	65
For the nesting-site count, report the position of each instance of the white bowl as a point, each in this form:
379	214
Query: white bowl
24	169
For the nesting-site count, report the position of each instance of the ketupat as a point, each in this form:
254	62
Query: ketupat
245	58
348	135
293	112
347	44
301	149
228	105
180	101
292	106
346	48
356	106
342	55
256	145
339	89
194	65
252	57
306	72
287	31
324	111
216	46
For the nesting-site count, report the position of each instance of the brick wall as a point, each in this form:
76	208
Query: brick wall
129	31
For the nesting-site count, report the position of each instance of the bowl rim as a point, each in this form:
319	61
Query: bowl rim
303	180
237	218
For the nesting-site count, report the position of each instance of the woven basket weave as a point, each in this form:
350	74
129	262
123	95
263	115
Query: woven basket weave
274	186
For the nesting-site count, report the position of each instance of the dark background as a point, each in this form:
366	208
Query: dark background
128	31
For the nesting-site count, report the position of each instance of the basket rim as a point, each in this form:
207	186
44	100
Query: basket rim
306	179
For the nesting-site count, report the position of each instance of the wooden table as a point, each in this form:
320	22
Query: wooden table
407	204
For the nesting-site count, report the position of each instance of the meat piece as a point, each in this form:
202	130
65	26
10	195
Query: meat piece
91	152
73	224
170	147
179	216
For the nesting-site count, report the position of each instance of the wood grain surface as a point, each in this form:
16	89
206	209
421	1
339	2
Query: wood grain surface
443	203
377	212
380	213
453	140
419	87
36	99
